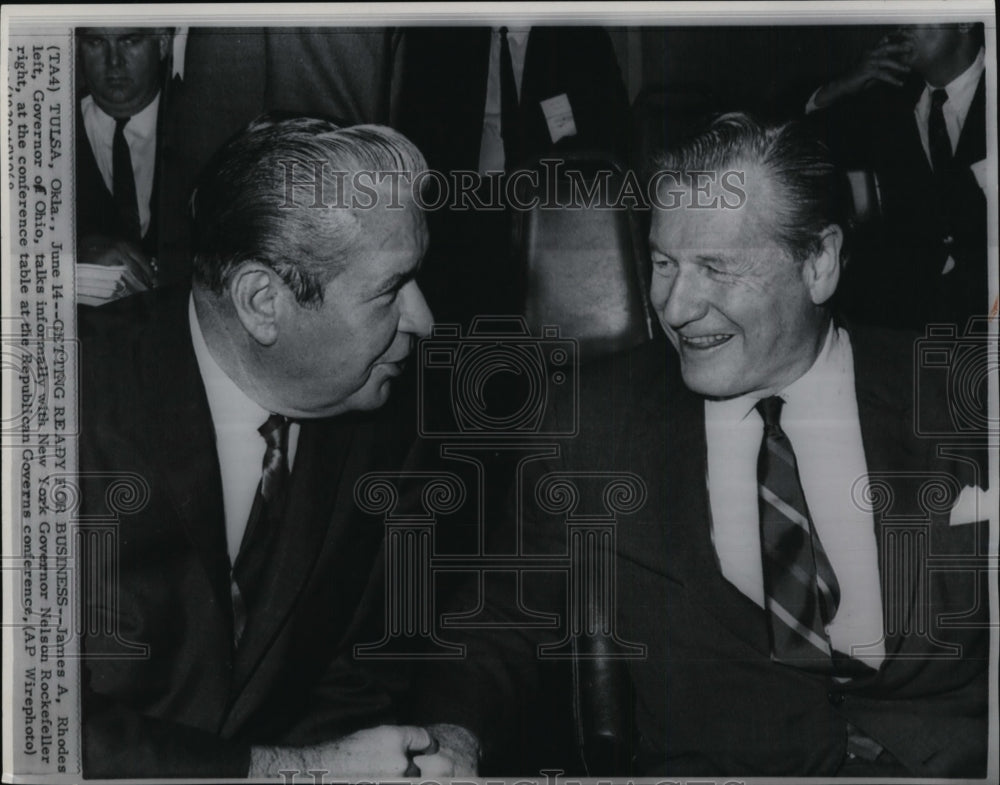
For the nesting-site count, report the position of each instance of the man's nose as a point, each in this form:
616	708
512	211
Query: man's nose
115	54
685	302
416	317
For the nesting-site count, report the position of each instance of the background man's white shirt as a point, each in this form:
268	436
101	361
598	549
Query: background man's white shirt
491	154
961	90
140	135
820	418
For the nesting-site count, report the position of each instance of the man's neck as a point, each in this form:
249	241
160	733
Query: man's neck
941	73
226	341
120	112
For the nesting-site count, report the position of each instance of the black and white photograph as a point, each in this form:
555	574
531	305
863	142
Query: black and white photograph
542	393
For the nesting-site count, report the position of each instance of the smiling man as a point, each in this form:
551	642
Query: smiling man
914	112
238	413
779	574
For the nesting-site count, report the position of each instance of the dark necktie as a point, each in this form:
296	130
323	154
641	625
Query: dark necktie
510	121
800	588
123	183
937	134
265	518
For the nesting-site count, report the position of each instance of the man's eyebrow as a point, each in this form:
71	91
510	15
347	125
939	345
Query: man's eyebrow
718	259
394	281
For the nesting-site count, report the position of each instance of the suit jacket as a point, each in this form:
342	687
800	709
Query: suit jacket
166	694
443	115
897	279
168	234
708	701
469	268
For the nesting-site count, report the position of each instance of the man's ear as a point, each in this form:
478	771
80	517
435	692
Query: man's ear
163	44
821	271
254	291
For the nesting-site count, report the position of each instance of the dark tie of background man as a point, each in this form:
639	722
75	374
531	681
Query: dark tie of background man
123	183
510	120
262	525
800	588
937	134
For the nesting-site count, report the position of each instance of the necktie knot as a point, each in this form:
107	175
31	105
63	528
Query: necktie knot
275	464
275	431
503	31
770	411
939	97
120	123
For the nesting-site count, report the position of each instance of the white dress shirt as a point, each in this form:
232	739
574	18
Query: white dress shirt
491	155
961	90
239	445
820	418
140	135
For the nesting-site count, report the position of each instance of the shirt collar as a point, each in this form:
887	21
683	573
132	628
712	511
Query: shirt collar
140	126
516	35
962	89
230	406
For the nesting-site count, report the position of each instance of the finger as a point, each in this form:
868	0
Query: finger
140	266
433	766
416	739
132	282
888	64
889	79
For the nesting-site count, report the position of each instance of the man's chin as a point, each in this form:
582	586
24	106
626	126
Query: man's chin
708	385
373	395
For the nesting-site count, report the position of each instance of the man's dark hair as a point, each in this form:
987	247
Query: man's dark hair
247	205
808	189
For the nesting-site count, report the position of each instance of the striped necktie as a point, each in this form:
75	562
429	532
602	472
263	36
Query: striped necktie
800	588
262	525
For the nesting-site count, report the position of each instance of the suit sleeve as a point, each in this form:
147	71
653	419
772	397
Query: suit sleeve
119	742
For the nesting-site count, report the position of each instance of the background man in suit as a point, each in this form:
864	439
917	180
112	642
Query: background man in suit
118	153
220	632
788	627
524	93
914	112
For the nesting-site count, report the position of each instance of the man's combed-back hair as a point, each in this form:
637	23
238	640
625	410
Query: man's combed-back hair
250	203
809	195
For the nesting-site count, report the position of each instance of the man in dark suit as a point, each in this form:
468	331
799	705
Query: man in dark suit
220	618
776	600
491	100
129	214
914	112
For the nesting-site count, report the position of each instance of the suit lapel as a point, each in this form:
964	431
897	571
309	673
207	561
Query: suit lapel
972	141
886	418
689	524
182	437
